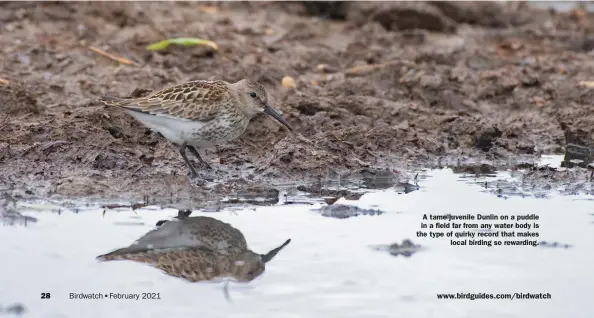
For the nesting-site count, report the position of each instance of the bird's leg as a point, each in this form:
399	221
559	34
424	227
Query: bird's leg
182	152
197	155
183	214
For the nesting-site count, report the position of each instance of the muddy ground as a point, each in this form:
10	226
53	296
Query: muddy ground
381	88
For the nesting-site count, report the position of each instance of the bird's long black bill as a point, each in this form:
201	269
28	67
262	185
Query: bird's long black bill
274	114
270	255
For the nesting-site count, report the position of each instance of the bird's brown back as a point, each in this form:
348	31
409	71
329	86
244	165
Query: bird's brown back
196	100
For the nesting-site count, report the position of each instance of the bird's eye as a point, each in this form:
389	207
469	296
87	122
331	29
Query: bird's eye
252	94
250	273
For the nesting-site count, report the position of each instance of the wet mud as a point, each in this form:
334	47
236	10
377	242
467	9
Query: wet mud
9	214
379	86
536	181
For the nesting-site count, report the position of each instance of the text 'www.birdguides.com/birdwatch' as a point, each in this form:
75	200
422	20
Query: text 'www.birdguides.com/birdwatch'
481	230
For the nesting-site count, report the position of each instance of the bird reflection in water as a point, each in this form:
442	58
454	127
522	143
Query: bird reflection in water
197	249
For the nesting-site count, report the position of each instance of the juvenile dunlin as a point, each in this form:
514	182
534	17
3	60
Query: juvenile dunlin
199	114
196	249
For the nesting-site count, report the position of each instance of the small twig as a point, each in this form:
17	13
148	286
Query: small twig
589	84
3	123
369	132
371	68
3	81
209	9
369	152
111	56
302	138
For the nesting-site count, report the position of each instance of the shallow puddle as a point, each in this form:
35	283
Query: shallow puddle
332	268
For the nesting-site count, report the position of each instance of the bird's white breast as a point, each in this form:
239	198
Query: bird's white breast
176	130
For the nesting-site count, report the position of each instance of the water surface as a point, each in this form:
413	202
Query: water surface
328	270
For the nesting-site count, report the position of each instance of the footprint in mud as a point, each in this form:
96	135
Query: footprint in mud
203	178
406	249
197	249
343	211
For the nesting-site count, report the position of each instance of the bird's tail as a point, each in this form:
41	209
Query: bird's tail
115	101
121	253
108	257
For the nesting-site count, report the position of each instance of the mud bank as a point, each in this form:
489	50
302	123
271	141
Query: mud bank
381	88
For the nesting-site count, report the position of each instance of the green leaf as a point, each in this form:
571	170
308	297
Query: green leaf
181	41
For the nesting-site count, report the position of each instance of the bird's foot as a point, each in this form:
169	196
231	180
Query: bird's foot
209	175
206	165
197	182
201	177
193	174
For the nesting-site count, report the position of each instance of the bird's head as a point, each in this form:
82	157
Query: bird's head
254	100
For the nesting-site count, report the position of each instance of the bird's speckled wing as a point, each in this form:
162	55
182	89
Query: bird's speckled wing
197	100
193	264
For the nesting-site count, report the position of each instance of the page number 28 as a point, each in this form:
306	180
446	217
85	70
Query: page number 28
45	295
